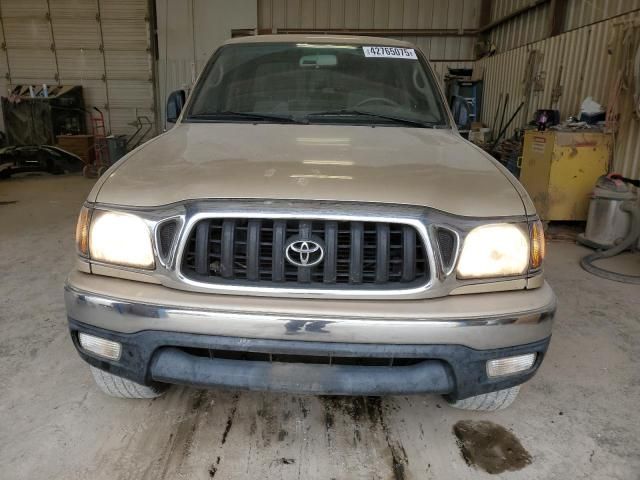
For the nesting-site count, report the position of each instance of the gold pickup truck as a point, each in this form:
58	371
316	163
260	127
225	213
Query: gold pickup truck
312	223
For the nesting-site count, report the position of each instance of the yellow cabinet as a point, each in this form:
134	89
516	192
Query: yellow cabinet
559	170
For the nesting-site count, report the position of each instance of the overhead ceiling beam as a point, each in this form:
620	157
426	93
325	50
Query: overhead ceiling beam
485	12
557	16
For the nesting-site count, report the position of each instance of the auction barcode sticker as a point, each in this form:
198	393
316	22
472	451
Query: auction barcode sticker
390	52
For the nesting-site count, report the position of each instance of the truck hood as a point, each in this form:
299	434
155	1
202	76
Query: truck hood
416	166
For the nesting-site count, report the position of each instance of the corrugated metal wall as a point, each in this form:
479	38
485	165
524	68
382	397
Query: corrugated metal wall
586	12
103	45
532	26
382	14
526	28
586	71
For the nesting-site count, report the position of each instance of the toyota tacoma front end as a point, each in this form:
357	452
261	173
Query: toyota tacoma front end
313	223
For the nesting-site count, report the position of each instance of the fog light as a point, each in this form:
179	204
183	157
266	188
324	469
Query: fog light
510	365
100	346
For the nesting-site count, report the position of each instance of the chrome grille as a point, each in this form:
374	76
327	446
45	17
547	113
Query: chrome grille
252	251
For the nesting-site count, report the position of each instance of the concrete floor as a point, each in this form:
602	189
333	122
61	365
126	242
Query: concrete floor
578	418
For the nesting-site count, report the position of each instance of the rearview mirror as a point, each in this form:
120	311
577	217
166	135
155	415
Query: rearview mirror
318	61
175	103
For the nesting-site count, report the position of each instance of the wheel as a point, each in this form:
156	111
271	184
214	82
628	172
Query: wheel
116	386
102	169
488	402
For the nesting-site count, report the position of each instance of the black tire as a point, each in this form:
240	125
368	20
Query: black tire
119	387
488	402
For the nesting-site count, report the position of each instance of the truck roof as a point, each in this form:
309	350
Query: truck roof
329	39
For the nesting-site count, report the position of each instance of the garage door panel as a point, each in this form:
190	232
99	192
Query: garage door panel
131	65
80	64
31	81
76	34
125	34
130	94
24	8
123	120
123	9
27	32
3	68
73	9
32	64
103	45
94	92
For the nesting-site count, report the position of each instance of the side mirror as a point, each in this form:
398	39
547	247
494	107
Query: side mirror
175	103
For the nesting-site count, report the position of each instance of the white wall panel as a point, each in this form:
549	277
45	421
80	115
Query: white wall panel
381	14
189	32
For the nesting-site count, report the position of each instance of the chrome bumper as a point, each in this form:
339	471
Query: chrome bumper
479	321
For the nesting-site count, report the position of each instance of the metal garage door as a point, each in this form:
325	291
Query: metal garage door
103	45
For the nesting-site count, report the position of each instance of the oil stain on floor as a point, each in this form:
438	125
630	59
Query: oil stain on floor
490	447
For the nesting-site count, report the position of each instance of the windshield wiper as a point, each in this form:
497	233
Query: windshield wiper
245	115
406	121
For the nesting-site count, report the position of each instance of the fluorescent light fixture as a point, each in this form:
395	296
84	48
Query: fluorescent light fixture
325	45
324	177
340	163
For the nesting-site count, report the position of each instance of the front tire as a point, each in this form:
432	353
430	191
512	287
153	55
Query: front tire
120	387
488	402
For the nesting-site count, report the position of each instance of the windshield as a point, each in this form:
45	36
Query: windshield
317	83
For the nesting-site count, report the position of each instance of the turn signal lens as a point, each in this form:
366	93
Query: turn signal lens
537	244
82	232
510	365
100	346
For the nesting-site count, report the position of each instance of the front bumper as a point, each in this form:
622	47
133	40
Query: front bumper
168	357
451	338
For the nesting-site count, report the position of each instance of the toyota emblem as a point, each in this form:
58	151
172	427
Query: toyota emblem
303	252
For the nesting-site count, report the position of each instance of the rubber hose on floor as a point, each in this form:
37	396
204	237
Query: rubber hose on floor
630	240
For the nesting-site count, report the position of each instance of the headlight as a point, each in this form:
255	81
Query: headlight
120	238
495	250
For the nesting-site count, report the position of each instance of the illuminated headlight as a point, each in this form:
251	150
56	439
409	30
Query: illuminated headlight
510	365
121	239
100	346
494	250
